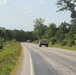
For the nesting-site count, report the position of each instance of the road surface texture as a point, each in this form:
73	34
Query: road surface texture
47	61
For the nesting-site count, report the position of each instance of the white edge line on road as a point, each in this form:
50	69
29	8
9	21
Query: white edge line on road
31	64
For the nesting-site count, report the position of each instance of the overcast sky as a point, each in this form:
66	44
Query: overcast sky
19	14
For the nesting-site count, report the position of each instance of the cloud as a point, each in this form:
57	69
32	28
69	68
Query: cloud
5	1
42	1
27	10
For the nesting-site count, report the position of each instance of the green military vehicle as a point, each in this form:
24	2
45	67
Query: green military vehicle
43	42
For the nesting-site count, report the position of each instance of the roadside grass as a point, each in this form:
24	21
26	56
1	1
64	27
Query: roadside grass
59	46
17	65
35	42
63	47
9	57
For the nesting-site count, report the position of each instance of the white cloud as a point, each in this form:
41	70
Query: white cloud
42	1
27	10
5	1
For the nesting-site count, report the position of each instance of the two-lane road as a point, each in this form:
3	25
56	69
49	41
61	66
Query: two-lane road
51	61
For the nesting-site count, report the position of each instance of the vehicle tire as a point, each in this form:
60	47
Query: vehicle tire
39	45
46	45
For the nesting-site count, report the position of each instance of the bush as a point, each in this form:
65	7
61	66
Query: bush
53	41
1	42
36	42
1	46
75	42
70	42
63	42
44	39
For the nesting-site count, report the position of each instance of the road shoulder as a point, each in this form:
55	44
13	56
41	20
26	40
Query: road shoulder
25	64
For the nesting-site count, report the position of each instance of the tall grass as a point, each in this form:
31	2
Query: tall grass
64	47
8	57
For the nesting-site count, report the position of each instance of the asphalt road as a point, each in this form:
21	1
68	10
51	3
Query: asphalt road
50	61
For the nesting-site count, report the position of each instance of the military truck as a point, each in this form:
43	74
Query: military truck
43	42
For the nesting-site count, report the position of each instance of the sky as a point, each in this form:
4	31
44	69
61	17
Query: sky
20	14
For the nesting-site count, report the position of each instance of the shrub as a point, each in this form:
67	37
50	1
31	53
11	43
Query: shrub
75	42
53	41
1	46
63	42
70	42
1	42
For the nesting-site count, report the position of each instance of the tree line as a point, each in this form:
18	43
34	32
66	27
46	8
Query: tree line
64	34
16	35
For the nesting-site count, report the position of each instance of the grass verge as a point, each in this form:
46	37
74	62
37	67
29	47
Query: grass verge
9	57
17	65
64	47
59	46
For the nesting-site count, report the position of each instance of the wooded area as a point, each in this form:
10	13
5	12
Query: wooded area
16	35
64	34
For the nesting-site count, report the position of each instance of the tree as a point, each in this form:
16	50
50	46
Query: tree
62	30
1	42
9	34
3	32
67	5
39	28
73	26
51	31
64	27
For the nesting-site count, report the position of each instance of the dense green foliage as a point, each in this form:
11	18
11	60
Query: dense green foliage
64	34
1	42
9	56
39	28
18	35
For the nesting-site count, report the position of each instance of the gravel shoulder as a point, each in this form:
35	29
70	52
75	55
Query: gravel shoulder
24	68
